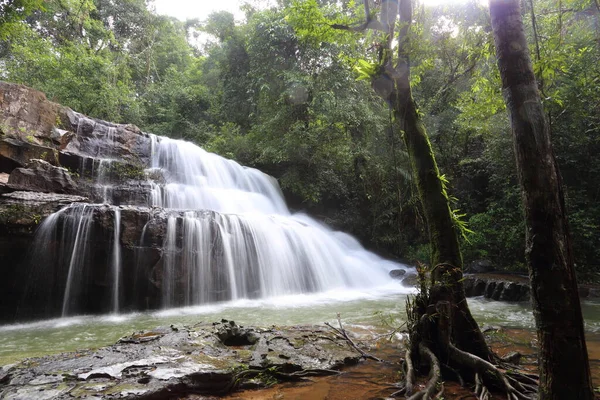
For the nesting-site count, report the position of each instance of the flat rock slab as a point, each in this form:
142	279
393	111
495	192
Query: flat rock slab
177	361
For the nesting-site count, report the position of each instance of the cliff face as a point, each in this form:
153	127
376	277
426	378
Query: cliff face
49	158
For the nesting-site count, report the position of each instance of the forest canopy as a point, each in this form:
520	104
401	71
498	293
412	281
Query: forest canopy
283	91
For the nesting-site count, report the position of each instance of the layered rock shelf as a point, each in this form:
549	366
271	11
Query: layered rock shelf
173	362
44	167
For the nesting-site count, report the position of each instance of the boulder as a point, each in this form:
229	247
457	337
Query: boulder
28	116
410	280
397	273
480	267
231	334
474	287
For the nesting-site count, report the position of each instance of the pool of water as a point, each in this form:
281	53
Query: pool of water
371	310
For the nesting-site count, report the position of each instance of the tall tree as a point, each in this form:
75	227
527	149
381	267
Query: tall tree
564	365
446	260
440	323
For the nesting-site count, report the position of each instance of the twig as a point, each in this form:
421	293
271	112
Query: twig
342	333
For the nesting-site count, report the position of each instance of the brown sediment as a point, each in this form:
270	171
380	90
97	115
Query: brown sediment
373	380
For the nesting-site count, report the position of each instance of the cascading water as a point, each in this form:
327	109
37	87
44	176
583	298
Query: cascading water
263	249
116	260
82	218
207	230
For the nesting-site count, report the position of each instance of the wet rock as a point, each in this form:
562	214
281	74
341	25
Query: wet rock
474	287
175	364
498	290
497	287
587	291
514	357
28	209
397	273
20	215
101	139
410	280
490	328
15	153
4	377
231	334
594	292
41	176
513	290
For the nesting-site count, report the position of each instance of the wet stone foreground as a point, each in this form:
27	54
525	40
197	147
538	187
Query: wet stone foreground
211	359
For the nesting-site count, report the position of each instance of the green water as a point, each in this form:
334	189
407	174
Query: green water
367	310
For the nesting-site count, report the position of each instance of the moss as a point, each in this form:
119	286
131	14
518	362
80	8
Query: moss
17	214
244	355
204	359
4	129
127	171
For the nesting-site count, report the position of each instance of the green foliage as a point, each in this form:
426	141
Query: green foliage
366	70
12	14
127	171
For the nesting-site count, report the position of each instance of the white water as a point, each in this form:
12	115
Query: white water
228	236
199	180
82	220
116	260
263	250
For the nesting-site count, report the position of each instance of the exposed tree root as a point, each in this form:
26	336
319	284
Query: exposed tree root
455	372
485	368
435	375
410	373
433	316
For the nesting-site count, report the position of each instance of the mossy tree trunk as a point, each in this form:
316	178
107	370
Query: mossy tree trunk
440	323
564	365
445	273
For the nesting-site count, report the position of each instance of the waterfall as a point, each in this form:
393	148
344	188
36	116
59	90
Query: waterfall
197	179
116	260
78	225
211	230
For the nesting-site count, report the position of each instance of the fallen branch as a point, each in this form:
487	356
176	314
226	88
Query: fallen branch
341	332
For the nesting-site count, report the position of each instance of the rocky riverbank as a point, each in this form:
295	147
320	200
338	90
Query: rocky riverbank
174	362
497	286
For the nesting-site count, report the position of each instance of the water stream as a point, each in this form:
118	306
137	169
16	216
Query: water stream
359	309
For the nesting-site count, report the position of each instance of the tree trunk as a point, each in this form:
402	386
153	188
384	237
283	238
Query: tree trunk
446	260
564	365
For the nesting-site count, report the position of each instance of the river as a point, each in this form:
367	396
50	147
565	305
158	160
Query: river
373	310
